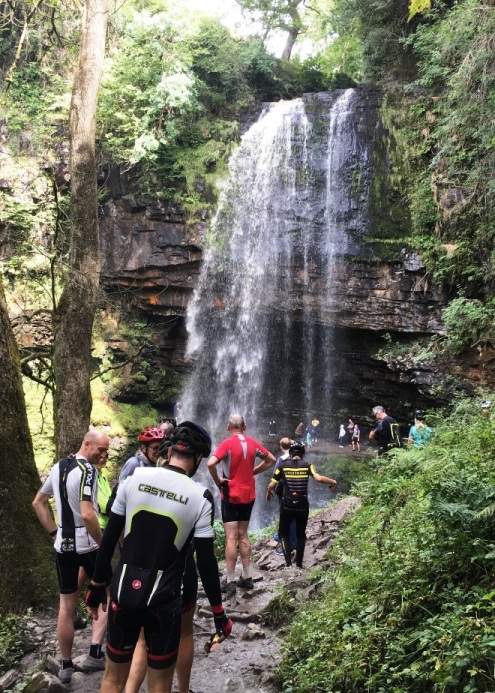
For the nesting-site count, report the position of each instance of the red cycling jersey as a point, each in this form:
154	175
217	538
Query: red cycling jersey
238	454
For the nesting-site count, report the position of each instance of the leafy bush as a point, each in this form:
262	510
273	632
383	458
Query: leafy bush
411	606
219	530
11	649
456	65
280	608
468	321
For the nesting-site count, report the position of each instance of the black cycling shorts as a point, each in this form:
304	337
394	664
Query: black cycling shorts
161	625
236	512
68	565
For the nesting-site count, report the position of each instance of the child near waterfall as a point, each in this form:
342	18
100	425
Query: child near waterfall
294	474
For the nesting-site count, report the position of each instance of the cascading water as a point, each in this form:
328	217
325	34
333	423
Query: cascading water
260	319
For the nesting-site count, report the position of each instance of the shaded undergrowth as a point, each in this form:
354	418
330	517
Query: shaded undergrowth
411	605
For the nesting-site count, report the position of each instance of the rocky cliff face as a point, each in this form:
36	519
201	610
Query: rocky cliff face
151	260
151	256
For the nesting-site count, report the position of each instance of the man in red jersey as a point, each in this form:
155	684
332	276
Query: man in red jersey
237	489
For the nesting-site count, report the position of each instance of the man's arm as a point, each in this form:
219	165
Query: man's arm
212	468
269	489
268	461
43	511
103	559
208	572
90	519
325	480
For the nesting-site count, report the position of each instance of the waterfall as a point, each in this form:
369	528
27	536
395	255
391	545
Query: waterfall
259	322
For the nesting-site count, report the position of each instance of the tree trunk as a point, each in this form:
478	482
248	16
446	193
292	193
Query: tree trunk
73	319
294	29
289	44
27	572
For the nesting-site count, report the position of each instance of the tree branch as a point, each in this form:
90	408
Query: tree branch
131	359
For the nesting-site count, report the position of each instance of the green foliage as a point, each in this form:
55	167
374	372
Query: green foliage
348	471
456	65
407	351
416	6
276	14
39	407
410	606
171	98
219	545
174	92
11	642
375	29
280	609
468	321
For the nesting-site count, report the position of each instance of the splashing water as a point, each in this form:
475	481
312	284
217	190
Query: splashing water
259	322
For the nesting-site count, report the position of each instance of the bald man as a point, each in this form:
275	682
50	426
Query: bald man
73	482
238	455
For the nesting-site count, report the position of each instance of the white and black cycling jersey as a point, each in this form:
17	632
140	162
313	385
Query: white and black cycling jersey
72	480
163	509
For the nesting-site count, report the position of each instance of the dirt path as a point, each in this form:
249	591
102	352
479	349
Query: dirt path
243	663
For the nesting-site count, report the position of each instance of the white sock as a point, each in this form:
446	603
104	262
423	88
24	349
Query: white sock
246	571
231	577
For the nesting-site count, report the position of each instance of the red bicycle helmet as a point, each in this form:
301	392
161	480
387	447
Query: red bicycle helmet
150	434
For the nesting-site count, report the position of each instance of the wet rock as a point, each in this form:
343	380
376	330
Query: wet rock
267	677
44	683
253	632
8	679
306	594
52	664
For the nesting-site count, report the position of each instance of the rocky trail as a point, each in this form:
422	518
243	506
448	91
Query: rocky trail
243	663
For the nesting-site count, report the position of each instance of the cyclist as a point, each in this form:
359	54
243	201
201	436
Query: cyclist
295	473
73	484
147	456
237	489
161	510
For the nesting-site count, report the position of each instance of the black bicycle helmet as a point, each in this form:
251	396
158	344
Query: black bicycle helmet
189	439
419	415
297	450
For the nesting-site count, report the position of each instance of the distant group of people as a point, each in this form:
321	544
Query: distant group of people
386	432
355	433
307	434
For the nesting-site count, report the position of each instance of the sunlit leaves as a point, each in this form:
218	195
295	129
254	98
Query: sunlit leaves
416	6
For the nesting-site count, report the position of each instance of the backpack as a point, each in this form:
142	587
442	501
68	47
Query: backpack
395	439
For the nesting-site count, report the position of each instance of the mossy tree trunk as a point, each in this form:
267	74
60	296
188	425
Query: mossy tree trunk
73	319
27	571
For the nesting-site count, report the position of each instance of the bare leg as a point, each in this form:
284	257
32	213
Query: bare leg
185	657
231	545
139	666
99	627
82	578
65	623
160	680
244	547
114	677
